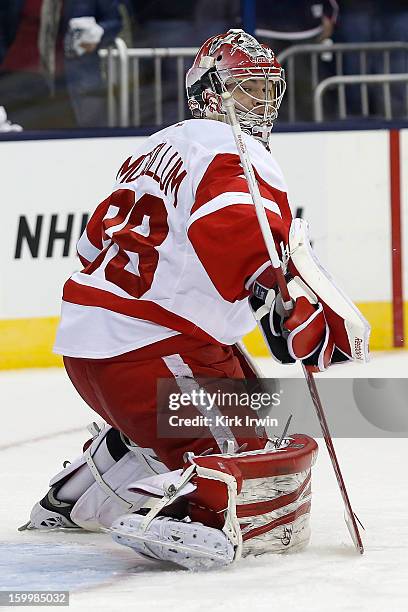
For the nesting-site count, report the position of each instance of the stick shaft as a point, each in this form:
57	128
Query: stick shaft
350	515
281	281
257	200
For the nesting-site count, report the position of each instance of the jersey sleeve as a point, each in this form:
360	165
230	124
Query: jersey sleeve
224	229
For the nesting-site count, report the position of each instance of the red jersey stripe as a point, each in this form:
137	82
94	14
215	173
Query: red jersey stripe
140	309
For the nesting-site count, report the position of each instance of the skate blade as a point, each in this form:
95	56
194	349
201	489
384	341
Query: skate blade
182	547
30	527
26	527
193	557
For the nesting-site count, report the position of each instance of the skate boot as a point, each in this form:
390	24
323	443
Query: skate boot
51	513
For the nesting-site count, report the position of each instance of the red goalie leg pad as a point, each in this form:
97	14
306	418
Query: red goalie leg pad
269	501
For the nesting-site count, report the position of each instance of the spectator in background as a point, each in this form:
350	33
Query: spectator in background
211	18
367	21
288	22
179	23
284	23
88	25
24	88
160	23
35	67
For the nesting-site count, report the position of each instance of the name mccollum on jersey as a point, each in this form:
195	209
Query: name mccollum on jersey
162	164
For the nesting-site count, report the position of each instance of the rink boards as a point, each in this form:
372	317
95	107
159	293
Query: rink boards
352	186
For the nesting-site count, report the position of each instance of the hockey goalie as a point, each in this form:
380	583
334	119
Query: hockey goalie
174	273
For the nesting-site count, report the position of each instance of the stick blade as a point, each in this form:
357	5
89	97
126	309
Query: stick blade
351	522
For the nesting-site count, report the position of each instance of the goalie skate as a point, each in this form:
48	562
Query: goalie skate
50	513
190	545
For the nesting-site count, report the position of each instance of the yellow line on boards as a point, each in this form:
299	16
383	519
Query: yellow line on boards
27	343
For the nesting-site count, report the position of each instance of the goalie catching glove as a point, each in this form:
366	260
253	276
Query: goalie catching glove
324	326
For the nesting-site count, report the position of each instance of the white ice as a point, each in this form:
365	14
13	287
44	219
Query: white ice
43	424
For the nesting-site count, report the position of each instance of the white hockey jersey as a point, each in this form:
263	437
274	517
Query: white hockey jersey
173	248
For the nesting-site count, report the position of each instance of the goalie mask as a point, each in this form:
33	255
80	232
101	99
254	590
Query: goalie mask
238	63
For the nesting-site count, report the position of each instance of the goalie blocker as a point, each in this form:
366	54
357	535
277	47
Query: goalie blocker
324	326
234	505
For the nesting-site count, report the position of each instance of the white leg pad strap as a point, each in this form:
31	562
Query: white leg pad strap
101	504
98	483
79	461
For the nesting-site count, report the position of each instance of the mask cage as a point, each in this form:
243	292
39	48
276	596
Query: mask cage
258	124
265	108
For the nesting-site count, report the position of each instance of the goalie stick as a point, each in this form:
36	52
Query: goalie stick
350	517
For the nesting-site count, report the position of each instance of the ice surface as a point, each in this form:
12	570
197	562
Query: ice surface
43	421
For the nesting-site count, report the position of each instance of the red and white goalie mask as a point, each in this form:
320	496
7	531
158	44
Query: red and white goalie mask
238	63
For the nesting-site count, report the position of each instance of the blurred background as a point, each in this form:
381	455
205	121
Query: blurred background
95	63
82	81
